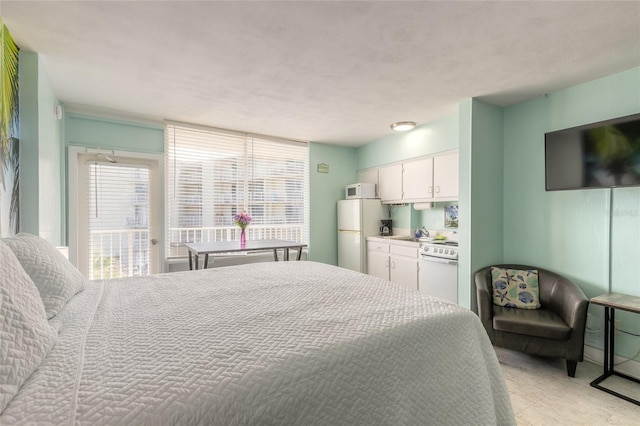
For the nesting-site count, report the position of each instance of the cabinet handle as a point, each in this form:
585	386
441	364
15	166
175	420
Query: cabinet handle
393	264
438	188
386	263
430	190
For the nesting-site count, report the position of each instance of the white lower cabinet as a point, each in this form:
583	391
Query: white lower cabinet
403	268
378	264
396	263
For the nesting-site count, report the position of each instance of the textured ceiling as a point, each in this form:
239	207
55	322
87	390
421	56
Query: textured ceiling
338	72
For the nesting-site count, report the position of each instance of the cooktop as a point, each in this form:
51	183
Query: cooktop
446	243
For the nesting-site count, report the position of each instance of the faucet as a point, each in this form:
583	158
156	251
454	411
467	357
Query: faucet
425	232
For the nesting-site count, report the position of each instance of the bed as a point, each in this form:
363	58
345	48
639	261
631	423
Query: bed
274	343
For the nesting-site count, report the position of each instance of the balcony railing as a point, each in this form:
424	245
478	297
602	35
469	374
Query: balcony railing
117	253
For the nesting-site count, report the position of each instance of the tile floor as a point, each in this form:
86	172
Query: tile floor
542	394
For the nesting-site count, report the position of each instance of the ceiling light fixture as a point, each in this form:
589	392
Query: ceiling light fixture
403	126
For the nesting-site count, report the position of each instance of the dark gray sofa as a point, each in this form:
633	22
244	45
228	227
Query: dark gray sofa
555	330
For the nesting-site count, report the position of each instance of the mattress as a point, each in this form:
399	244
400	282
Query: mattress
270	344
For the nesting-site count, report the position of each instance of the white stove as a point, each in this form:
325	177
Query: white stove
444	250
438	275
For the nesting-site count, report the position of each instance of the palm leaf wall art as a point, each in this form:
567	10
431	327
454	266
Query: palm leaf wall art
9	150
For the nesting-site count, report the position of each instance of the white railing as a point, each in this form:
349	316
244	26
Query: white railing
117	253
179	236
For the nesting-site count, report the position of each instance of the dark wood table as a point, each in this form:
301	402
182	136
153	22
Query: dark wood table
198	249
611	302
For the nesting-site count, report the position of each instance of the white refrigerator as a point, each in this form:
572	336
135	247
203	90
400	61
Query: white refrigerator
357	220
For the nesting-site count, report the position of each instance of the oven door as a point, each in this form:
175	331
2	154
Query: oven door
439	277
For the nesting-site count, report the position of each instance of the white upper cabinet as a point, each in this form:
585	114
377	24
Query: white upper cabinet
445	176
417	179
425	179
390	183
369	176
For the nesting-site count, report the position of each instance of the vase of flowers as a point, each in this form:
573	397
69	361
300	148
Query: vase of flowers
242	220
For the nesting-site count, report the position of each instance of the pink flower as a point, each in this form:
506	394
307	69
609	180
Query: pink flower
242	220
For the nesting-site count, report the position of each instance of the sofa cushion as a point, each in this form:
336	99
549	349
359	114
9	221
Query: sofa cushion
539	322
515	288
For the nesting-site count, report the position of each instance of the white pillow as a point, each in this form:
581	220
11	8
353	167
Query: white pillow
27	337
55	277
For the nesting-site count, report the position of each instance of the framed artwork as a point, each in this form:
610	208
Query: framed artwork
451	216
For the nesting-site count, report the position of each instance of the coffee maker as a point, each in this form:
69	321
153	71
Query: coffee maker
385	228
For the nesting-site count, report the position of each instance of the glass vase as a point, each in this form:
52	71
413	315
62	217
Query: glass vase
243	238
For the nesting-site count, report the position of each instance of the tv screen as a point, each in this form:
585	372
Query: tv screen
598	155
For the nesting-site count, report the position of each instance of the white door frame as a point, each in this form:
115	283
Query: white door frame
73	154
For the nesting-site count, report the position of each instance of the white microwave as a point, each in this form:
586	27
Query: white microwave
360	190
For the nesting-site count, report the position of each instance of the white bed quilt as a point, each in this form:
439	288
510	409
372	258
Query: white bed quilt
296	343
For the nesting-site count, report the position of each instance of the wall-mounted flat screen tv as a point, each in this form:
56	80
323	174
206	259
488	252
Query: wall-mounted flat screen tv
599	155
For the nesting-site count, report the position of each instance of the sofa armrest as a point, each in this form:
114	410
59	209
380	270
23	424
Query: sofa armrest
485	303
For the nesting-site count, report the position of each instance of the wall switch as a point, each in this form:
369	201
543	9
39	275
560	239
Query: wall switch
617	326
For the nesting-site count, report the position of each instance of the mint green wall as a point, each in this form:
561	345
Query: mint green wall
325	190
481	199
568	231
430	138
40	149
104	133
432	218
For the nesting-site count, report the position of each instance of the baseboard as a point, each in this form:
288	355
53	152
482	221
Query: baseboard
596	356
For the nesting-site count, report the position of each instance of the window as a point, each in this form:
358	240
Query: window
214	174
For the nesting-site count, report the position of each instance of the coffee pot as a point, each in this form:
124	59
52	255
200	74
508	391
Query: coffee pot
385	227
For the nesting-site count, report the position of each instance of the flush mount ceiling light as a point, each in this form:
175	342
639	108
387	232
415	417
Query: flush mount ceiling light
403	126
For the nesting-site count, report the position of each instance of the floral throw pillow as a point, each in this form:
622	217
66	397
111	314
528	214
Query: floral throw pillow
515	288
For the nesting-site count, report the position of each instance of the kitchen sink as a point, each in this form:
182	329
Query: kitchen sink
410	238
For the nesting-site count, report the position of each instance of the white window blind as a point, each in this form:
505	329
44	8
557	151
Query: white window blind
118	219
214	174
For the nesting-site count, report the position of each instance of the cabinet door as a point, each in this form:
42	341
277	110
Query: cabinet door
369	176
417	179
378	264
390	182
404	271
445	176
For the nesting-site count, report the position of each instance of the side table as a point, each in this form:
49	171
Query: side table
611	302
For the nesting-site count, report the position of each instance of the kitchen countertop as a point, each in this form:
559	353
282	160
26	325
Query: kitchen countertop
401	240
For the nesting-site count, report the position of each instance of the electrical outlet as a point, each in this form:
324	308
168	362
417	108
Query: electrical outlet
617	326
